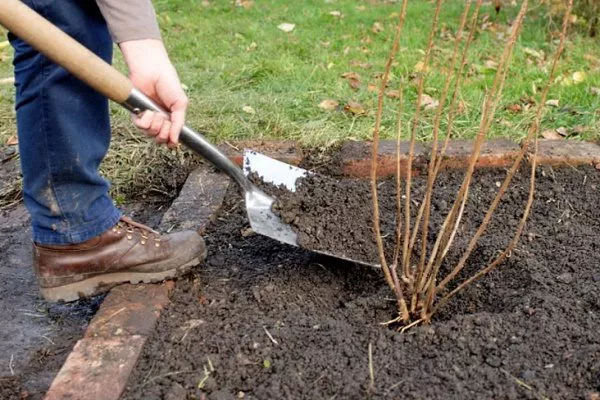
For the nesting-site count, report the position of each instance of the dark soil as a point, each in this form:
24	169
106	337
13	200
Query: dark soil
263	320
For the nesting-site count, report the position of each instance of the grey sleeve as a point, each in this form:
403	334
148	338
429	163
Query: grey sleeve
130	19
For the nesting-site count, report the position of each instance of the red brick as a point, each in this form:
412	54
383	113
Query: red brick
567	152
96	369
286	151
130	310
494	154
356	158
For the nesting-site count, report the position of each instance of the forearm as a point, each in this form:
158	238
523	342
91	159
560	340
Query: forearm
130	19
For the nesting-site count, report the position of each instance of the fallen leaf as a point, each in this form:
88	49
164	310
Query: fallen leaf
595	91
205	3
428	102
252	47
578	77
377	27
185	87
249	110
552	103
551	134
514	108
353	79
355	108
490	65
336	14
13	140
244	3
328	105
371	87
462	107
7	81
286	27
562	131
360	64
420	67
534	53
347	50
393	94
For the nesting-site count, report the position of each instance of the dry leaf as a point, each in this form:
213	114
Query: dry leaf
552	103
551	134
249	110
336	14
355	108
353	79
13	140
371	87
514	108
360	64
252	46
393	94
205	3
562	131
244	3
420	67
490	65
377	27
328	105
595	91
578	77
428	102
286	27
534	53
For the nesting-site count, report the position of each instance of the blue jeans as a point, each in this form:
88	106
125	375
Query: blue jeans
64	131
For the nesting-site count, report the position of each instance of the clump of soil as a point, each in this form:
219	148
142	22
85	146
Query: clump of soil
262	320
332	215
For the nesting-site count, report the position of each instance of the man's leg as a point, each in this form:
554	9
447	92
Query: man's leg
82	244
64	132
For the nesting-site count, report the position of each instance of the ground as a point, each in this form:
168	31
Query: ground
262	320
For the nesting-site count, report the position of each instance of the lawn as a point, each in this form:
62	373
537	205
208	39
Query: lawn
247	78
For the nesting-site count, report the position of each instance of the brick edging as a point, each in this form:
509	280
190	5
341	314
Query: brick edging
355	157
100	363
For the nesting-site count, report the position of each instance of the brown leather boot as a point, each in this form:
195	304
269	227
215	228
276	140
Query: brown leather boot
128	252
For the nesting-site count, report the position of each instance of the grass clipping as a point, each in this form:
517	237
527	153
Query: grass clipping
415	280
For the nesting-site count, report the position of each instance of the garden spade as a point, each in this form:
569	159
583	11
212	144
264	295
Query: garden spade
31	27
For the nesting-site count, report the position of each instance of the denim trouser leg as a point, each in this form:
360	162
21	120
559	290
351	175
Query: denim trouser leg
64	132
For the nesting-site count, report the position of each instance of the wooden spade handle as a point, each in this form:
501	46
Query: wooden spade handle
31	27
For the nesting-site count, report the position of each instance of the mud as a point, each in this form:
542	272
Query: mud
262	320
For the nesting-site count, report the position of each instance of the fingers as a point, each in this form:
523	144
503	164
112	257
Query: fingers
154	125
178	110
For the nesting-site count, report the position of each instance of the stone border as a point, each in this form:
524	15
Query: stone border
100	363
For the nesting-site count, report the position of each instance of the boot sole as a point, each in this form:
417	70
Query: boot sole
103	283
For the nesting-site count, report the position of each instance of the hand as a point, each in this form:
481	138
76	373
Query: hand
151	71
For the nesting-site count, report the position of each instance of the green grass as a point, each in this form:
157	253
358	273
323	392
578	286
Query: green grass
231	58
288	74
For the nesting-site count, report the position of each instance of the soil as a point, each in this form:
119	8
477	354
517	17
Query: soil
262	320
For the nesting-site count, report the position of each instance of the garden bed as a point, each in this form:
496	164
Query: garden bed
262	320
